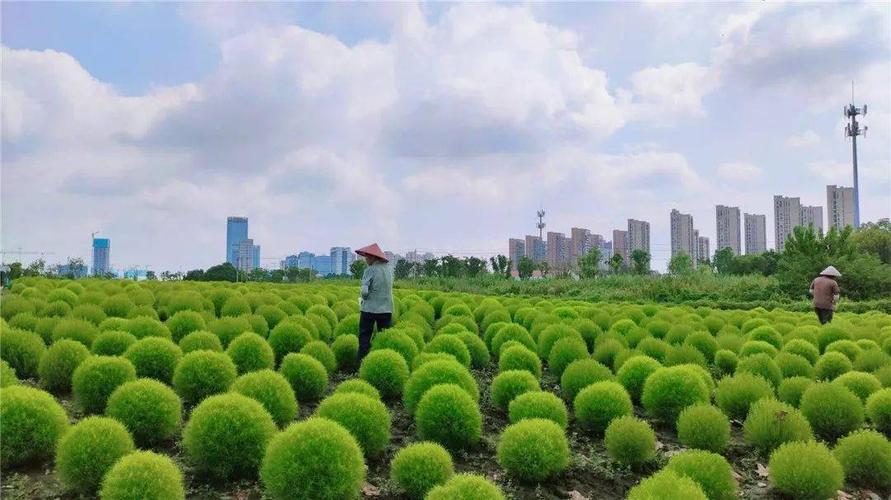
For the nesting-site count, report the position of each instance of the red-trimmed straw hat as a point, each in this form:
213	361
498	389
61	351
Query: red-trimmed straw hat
374	251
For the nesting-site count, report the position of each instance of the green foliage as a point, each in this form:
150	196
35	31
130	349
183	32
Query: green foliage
538	404
711	471
771	423
112	343
802	348
386	370
7	375
22	350
832	409
419	467
58	364
865	456
479	353
831	365
565	351
96	378
449	344
734	395
143	474
860	383
634	373
510	384
510	332
154	357
533	450
630	441
288	336
668	485
88	450
464	487
150	410
519	357
272	390
438	372
346	351
448	415
200	341
203	373
183	323
762	365
580	374
878	409
142	327
358	386
598	404
250	352
726	361
315	458
792	388
669	390
704	427
306	374
226	436
32	422
805	470
398	341
365	417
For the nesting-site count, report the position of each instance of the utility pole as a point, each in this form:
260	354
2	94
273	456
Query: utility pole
93	249
852	130
541	224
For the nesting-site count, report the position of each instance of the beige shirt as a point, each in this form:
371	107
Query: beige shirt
825	291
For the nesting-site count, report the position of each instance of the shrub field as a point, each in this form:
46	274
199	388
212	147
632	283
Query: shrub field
169	390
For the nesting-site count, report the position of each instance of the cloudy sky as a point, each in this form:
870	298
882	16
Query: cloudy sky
440	126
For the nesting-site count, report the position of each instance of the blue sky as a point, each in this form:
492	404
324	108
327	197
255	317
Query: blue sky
432	126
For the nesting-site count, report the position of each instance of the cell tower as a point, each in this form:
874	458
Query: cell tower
541	224
852	130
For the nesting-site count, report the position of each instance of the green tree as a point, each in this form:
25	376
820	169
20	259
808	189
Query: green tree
151	276
15	271
36	268
525	268
589	264
875	238
474	266
195	275
430	267
616	262
501	265
402	269
544	267
724	260
680	264
222	272
452	267
357	268
640	262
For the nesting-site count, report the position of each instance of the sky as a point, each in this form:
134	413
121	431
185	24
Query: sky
439	127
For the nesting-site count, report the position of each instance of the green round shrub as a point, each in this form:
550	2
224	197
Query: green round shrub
227	328
289	336
802	348
227	434
89	312
96	378
154	357
598	404
847	347
7	375
831	365
791	389
183	323
464	487
58	364
346	351
766	334
365	417
398	341
510	384
551	334
32	422
76	329
320	350
479	353
272	314
419	467
112	343
359	386
143	474
88	450
607	350
726	361
512	331
386	370
860	383
871	360
315	458
703	427
734	395
150	410
518	357
763	365
203	373
580	374
142	327
437	372
200	341
878	409
669	390
272	390
771	423
250	352
449	344
704	343
22	350
667	484
865	456
630	441
832	409
654	348
306	374
793	365
634	373
805	470
533	450
448	415
538	404
711	472
565	351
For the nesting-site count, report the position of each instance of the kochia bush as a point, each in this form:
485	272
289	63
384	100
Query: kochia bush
154	357
386	370
450	344
865	455
346	351
704	427
359	386
564	352
58	364
320	350
510	384
630	441
598	404
200	341
433	373
805	470
150	410
832	409
878	409
711	471
518	357
669	390
466	486
365	417
538	404
533	450
272	390
306	374
250	352
580	374
22	350
143	474
112	343
448	415
634	373
420	466
96	378
734	395
771	423
202	373
32	422
659	484
88	450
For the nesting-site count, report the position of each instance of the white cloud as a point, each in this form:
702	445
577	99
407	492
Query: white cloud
806	138
667	93
738	171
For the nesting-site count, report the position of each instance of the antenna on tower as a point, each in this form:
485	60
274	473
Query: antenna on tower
541	224
852	130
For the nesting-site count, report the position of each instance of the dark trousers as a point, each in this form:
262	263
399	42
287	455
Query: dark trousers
367	322
824	315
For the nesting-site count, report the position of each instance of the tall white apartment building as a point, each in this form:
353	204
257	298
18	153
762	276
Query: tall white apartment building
683	237
840	206
786	216
812	216
756	233
727	223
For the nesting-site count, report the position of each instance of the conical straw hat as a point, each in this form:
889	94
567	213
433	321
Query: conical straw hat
374	251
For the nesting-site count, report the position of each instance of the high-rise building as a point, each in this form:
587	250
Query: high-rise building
341	258
305	260
248	255
579	244
727	221
101	256
786	216
236	232
535	248
516	250
606	252
702	249
840	206
596	241
557	251
256	262
683	238
638	236
289	262
756	233
812	216
415	256
620	245
321	264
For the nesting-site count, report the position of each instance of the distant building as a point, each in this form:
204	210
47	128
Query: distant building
638	236
321	264
101	256
812	216
579	244
72	270
786	216
341	258
306	260
236	232
840	206
620	245
416	257
557	251
535	248
516	250
256	255
756	233
702	249
683	239
606	250
727	225
289	262
248	255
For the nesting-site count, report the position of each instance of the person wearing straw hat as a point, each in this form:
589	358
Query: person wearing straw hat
376	300
825	291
